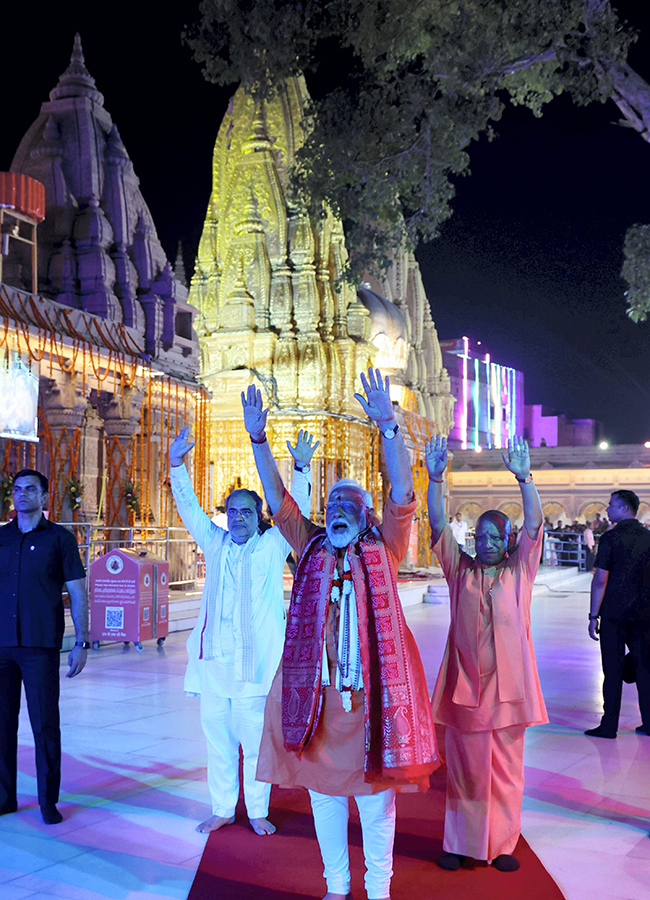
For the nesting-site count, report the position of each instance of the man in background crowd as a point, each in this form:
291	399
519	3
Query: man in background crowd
459	529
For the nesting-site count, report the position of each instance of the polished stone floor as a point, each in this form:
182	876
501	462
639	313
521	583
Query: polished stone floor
134	778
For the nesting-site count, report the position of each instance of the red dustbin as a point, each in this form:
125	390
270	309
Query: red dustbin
129	598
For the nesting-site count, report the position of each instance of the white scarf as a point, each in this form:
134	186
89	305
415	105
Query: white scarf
215	602
349	676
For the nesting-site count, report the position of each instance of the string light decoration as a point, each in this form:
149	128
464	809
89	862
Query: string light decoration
103	356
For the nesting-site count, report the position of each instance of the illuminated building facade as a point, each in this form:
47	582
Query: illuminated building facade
273	311
573	482
489	397
105	331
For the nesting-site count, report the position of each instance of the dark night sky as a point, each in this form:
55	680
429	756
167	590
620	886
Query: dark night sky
528	264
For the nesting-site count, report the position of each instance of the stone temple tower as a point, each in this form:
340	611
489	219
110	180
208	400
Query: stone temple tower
273	311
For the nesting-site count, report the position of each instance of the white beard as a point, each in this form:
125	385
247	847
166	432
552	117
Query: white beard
342	538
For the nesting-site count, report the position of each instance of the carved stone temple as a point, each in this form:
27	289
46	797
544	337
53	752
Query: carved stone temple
109	335
272	312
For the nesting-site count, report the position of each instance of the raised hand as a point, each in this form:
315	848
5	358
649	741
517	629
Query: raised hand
179	447
304	449
254	415
517	457
377	404
435	457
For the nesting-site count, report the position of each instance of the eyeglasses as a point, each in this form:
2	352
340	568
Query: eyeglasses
348	506
244	513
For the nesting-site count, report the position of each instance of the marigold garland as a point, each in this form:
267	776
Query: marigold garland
131	497
74	492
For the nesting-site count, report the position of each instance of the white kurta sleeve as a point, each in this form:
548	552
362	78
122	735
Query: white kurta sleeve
197	522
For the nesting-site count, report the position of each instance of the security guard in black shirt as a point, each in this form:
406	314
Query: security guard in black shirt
37	558
620	610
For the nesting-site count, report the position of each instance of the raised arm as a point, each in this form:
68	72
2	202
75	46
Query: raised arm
378	406
197	522
517	460
301	480
255	424
435	456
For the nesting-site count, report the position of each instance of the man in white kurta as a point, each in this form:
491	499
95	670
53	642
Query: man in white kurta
235	647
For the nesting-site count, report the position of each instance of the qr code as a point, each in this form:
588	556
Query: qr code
115	617
145	614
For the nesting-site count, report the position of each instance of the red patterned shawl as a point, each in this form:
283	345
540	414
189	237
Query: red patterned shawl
400	739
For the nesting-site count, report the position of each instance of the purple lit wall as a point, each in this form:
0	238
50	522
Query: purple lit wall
489	396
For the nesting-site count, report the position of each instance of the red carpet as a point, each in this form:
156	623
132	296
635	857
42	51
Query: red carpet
239	865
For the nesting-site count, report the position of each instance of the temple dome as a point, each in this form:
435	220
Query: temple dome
389	331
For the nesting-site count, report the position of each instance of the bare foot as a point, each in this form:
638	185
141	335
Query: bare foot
214	823
262	826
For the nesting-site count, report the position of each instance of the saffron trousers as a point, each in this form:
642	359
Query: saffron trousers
485	787
377	814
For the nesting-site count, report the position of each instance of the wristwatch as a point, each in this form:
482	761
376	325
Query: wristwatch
526	480
85	645
302	469
390	433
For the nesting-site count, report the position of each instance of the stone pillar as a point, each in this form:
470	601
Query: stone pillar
92	467
63	406
121	415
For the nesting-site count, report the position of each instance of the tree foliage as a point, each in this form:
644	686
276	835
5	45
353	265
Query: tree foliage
636	271
400	89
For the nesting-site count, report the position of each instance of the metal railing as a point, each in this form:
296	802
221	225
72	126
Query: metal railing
173	544
565	548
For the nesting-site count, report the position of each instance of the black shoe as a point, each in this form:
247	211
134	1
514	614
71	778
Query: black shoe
450	861
641	729
506	863
600	732
10	808
51	815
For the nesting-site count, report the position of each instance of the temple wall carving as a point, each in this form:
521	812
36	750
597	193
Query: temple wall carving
275	311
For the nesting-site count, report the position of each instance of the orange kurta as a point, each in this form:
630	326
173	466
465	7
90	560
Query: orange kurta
486	693
333	760
488	678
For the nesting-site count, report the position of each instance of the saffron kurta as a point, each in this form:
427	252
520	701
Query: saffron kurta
488	678
486	693
333	761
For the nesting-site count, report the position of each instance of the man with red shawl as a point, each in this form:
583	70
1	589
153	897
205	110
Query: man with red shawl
488	689
348	712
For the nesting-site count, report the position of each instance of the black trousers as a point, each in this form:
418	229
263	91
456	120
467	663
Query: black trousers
38	669
615	635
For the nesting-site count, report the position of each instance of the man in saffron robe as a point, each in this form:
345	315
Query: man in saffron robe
488	689
348	712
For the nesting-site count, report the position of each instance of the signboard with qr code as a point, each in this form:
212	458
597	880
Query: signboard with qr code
129	592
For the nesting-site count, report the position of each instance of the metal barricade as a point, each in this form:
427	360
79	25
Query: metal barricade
565	548
186	562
